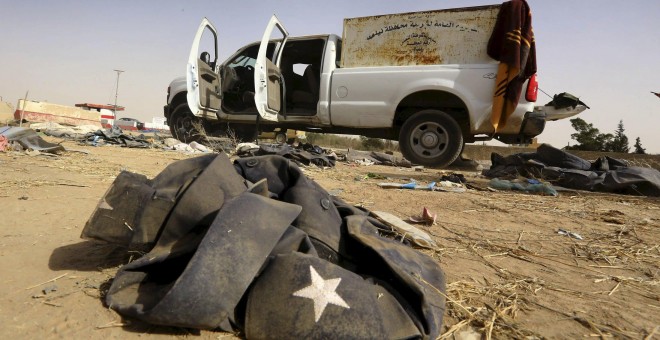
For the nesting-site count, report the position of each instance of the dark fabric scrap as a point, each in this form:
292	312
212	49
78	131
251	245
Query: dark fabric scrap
379	158
236	248
304	154
29	139
357	302
606	174
210	286
564	100
134	209
116	136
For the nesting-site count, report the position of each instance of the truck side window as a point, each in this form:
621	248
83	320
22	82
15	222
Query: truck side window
338	57
238	79
301	67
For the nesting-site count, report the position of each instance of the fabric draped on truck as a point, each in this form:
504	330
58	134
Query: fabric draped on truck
512	44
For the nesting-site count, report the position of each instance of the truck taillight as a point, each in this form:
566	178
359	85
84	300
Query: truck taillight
532	89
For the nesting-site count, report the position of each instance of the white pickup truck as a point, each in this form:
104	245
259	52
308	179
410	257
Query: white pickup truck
422	78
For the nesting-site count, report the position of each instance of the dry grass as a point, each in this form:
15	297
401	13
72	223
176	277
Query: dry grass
493	306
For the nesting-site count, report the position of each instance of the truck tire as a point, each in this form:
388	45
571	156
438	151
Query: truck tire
183	124
431	138
280	137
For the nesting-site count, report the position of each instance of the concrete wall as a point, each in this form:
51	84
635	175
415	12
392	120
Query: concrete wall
6	113
35	111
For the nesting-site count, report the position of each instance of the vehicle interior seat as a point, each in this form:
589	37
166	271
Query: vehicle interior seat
307	97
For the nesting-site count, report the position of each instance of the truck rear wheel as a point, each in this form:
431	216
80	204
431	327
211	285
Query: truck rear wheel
184	126
431	138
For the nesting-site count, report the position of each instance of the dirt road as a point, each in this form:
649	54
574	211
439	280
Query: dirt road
509	273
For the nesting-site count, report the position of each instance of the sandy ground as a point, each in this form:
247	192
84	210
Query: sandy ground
509	273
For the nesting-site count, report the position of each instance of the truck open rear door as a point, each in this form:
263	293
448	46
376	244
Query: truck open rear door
202	76
268	81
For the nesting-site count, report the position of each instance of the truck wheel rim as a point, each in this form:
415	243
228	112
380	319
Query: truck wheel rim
185	128
429	140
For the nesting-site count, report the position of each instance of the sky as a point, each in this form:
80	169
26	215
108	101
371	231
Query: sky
64	52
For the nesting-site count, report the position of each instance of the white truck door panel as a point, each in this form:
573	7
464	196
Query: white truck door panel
268	80
202	77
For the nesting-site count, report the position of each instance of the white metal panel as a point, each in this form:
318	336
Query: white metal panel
192	73
452	36
261	70
356	102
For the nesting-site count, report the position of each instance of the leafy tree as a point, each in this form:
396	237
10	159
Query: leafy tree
638	147
588	137
620	142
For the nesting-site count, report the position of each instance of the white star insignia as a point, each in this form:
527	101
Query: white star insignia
322	292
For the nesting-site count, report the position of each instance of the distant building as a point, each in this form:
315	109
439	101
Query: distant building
36	111
107	112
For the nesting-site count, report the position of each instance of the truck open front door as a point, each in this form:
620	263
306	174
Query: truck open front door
268	81
202	76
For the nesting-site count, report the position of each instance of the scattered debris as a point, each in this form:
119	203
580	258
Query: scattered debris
376	158
115	136
426	217
570	234
28	139
193	147
62	131
3	143
49	281
304	154
409	232
566	170
525	185
433	186
49	289
455	178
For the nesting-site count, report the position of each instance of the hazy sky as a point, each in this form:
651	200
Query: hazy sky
604	51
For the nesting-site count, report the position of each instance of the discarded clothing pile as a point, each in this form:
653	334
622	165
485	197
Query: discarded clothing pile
376	158
28	139
63	131
258	247
566	170
303	154
116	136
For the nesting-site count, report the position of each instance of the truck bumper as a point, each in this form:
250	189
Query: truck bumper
533	125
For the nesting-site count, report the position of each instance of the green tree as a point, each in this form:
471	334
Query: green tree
620	141
638	147
588	137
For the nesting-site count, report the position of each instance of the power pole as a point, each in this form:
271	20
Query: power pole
114	122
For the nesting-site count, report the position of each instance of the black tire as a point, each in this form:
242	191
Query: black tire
431	138
183	124
280	138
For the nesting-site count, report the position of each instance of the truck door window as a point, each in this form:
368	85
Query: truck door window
238	80
208	49
301	68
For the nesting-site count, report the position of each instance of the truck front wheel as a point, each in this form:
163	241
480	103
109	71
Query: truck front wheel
184	126
431	138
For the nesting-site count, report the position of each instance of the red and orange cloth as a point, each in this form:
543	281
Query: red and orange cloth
512	44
